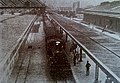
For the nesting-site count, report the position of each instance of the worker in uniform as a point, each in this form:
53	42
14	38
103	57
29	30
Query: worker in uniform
74	60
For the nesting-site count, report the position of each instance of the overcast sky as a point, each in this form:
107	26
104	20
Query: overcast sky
83	3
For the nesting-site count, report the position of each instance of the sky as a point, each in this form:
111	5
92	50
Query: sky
83	3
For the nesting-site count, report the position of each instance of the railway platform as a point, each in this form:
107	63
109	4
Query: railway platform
79	70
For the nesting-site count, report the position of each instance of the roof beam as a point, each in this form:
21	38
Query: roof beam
42	7
12	2
32	2
21	1
39	2
4	3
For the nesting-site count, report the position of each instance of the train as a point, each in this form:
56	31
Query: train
55	45
55	50
53	38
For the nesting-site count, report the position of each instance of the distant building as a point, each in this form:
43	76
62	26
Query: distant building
65	8
104	15
76	5
66	11
79	10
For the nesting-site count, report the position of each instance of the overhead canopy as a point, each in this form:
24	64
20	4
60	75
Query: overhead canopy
8	4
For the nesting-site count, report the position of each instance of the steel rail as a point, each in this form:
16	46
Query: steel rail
6	3
3	3
39	7
13	2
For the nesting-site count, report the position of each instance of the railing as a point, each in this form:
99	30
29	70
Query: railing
7	65
98	63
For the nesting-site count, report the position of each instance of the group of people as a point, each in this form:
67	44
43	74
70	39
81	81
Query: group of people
76	58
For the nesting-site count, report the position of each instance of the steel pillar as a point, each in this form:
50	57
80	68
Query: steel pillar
80	55
96	74
60	30
66	37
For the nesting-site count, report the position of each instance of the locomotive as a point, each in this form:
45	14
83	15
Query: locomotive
53	38
55	48
55	45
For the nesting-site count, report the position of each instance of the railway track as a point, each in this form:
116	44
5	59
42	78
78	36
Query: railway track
103	47
59	68
32	67
86	32
61	72
62	76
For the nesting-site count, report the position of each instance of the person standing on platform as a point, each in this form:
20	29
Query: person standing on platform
87	68
77	56
108	80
